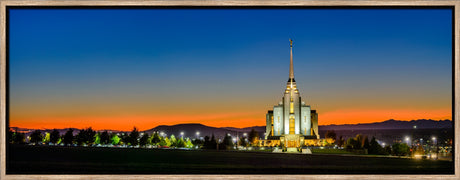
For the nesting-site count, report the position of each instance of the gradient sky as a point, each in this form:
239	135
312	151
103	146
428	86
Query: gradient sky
119	68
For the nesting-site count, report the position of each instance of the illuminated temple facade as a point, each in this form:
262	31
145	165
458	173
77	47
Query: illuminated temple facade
292	122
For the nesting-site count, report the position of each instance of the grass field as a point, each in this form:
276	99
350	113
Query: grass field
330	151
89	160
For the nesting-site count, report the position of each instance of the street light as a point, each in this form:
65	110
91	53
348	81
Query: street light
407	140
435	142
182	134
197	134
245	134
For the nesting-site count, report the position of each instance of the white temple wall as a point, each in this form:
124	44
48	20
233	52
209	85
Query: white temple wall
268	127
286	103
305	125
296	99
278	120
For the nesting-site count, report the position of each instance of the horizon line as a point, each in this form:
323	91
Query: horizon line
225	126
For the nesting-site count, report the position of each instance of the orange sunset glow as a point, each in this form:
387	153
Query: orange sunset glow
240	120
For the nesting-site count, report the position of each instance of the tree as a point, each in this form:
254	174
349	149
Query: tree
173	140
144	139
167	141
366	143
54	136
80	138
68	137
91	136
352	143
180	143
9	136
46	138
206	143
36	137
253	137
209	143
124	139
104	137
133	137
97	139
198	142
213	142
162	142
188	143
155	138
400	149
227	143
387	149
374	147
340	141
114	140
16	137
243	142
86	137
359	142
19	138
330	136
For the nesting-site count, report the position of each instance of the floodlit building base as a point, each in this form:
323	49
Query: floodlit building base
303	142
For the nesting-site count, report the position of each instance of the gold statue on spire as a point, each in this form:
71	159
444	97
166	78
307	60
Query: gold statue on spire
290	40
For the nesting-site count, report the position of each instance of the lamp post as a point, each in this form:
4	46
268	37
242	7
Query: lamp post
245	137
435	142
197	134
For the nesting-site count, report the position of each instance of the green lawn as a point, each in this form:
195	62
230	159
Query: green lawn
89	160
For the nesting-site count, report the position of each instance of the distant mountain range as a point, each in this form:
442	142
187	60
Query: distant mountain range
194	130
393	124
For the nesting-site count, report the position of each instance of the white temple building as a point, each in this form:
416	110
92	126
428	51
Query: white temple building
292	121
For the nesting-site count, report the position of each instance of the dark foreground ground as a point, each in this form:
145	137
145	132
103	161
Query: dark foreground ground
88	160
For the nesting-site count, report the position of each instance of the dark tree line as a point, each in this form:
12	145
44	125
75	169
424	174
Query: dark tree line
89	137
86	137
16	137
361	142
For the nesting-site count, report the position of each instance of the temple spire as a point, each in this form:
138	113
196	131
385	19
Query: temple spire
291	67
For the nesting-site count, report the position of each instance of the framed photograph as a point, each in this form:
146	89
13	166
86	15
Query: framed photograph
229	89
